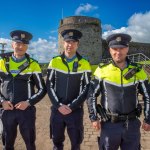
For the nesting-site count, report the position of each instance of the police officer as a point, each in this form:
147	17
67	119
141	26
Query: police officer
19	75
67	82
119	82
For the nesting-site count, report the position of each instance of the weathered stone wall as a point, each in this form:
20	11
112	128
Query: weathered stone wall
91	43
140	48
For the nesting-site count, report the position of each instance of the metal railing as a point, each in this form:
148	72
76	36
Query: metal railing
139	57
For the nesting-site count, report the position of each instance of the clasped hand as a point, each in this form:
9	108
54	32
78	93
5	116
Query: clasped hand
7	105
64	109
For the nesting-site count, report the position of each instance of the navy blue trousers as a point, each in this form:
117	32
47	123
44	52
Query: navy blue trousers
26	121
115	135
74	124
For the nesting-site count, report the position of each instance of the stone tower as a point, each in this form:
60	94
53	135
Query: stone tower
91	42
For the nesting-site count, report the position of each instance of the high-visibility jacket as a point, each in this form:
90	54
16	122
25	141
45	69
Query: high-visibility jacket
67	82
18	80
118	95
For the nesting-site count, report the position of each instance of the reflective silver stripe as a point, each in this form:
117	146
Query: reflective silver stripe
106	99
147	106
36	94
29	89
36	72
50	77
86	78
137	91
40	85
94	97
82	77
66	72
54	94
39	80
52	90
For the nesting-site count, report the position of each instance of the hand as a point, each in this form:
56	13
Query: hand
22	105
64	109
146	126
7	105
96	125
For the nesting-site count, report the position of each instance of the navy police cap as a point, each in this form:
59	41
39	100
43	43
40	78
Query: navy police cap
21	36
71	34
118	40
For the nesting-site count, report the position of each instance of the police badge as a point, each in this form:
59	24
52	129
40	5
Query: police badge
23	36
118	39
70	33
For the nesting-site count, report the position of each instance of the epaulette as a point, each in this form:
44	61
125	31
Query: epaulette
103	64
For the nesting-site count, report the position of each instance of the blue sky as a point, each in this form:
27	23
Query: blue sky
41	18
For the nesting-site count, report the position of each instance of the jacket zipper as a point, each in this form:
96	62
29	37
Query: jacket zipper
67	84
13	94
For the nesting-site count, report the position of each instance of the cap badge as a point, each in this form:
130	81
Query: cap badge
70	33
118	39
22	36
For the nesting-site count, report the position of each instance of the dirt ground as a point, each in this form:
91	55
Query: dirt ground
43	142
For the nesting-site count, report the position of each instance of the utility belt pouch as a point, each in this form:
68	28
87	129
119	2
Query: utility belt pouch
114	118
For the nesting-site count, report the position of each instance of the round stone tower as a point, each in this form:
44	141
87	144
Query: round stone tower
91	41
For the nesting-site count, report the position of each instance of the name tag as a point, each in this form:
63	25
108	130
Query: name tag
14	71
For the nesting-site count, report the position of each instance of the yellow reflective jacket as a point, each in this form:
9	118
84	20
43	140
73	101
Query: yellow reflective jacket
67	83
118	94
18	80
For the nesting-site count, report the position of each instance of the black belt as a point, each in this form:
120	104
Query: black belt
118	118
126	117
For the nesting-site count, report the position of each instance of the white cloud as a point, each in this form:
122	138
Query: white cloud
7	47
85	8
52	38
138	27
42	50
108	27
